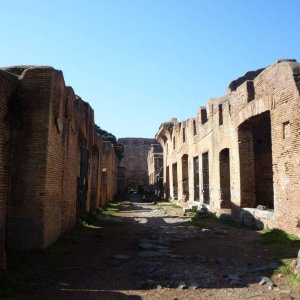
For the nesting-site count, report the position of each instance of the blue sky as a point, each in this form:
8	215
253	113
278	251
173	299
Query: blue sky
141	62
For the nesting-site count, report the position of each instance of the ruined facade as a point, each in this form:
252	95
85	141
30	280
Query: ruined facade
51	159
240	155
135	160
155	169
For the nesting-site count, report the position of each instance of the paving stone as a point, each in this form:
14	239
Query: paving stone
151	246
220	231
285	292
182	286
193	286
121	257
150	254
265	267
221	260
234	279
266	281
146	284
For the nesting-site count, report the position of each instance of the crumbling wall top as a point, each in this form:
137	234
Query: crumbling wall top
19	70
239	81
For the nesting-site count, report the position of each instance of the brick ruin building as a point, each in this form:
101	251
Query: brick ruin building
240	155
54	167
155	169
135	160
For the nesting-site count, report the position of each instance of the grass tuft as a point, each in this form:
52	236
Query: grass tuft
277	236
211	221
176	206
292	278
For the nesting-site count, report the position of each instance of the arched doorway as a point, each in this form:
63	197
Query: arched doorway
255	151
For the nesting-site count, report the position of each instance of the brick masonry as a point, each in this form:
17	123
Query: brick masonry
51	159
8	86
135	160
109	166
251	136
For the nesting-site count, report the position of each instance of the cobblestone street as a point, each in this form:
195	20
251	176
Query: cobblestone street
152	251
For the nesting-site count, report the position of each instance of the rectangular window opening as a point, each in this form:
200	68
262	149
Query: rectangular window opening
250	90
286	130
194	127
220	114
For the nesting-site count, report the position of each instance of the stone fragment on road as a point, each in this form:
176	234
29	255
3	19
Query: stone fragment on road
266	281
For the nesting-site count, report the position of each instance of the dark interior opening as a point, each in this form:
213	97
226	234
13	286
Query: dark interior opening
175	181
205	175
225	178
185	176
255	149
196	178
167	189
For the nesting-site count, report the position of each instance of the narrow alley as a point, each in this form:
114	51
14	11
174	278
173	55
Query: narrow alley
135	250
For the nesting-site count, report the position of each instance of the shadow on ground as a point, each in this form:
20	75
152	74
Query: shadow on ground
145	246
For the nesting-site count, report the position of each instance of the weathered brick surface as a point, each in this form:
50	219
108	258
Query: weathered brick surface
263	163
8	84
28	162
70	163
135	160
109	172
44	127
96	175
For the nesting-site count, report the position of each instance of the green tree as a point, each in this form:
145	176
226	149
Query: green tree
107	136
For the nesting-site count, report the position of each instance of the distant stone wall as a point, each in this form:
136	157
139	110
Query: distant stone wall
135	160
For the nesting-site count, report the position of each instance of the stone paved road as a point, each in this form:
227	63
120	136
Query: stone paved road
149	251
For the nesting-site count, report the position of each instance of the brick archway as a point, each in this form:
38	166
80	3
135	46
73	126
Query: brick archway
255	151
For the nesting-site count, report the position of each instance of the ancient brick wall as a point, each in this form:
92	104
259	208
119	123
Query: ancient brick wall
28	161
96	171
50	159
84	117
135	160
52	129
52	205
71	127
8	85
70	163
251	142
109	172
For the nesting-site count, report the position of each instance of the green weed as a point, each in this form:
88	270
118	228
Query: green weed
211	220
277	236
176	206
288	271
